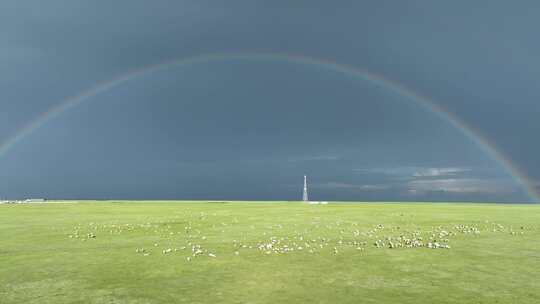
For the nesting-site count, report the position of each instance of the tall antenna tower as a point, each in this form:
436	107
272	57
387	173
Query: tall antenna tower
305	195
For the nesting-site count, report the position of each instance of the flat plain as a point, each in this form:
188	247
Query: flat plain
275	252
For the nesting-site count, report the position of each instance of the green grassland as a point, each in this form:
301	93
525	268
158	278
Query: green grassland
195	252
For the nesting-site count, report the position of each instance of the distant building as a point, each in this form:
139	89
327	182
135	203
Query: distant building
35	200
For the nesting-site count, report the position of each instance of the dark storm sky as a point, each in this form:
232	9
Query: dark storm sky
250	129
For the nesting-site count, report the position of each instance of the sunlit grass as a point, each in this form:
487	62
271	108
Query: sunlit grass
166	252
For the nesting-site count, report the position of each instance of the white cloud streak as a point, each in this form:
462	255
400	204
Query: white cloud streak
415	172
436	172
459	186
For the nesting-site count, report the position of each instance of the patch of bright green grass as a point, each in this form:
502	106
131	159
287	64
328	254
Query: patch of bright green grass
188	252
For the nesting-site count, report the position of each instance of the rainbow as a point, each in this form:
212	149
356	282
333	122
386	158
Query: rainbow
472	134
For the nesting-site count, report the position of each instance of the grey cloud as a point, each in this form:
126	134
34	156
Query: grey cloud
249	127
362	187
314	158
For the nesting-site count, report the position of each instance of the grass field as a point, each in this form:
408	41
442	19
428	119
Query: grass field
182	252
